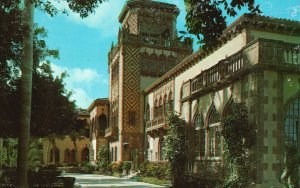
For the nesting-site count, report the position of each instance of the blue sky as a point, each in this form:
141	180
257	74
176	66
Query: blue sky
84	43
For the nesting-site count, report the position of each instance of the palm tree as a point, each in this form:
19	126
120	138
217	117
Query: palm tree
26	92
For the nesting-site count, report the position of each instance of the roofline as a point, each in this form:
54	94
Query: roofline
136	3
232	30
96	102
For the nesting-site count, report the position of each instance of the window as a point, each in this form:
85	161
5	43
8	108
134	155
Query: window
214	133
199	135
291	123
131	118
162	150
112	154
116	153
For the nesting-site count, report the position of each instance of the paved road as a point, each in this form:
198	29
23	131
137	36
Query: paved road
94	180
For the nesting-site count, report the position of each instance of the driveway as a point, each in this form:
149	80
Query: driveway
94	180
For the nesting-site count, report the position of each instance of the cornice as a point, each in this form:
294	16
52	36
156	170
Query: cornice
246	21
166	7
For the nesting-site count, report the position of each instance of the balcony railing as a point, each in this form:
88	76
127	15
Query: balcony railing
111	132
157	123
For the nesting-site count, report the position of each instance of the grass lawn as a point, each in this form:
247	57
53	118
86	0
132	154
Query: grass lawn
154	180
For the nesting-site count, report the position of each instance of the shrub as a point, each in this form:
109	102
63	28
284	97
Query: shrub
103	161
126	166
87	168
160	170
116	167
193	181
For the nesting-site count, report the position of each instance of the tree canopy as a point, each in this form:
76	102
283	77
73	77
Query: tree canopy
206	19
52	110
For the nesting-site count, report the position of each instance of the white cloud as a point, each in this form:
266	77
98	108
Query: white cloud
81	97
81	82
294	11
105	18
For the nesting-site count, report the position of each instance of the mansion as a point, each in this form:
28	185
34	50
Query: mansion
152	74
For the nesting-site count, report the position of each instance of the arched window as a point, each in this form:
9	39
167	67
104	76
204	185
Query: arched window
73	156
102	124
214	133
85	155
147	112
166	105
291	123
67	156
54	153
200	135
162	150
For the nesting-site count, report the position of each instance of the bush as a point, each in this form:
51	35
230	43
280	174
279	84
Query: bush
103	161
193	181
160	170
126	166
116	167
87	168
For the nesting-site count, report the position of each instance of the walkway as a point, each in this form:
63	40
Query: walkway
94	180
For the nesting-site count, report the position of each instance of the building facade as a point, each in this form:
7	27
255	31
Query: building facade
257	62
69	149
147	48
98	117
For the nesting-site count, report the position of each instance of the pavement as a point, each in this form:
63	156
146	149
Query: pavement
95	180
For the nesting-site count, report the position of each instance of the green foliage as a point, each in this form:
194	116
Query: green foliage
87	168
238	138
159	170
103	161
177	148
116	168
290	176
126	166
206	20
192	181
36	151
153	180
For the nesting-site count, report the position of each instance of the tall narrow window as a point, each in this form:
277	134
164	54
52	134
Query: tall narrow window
116	153
214	131
291	124
131	118
199	135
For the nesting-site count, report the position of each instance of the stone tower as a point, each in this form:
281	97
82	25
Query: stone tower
147	48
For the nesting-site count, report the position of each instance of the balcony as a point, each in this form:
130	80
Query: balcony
259	54
111	133
157	124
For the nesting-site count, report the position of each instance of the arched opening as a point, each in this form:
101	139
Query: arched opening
73	156
54	155
200	135
214	133
162	150
102	124
67	156
85	155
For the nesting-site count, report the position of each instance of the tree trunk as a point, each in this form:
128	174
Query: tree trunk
76	152
26	92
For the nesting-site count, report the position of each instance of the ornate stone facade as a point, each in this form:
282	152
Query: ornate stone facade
257	62
147	48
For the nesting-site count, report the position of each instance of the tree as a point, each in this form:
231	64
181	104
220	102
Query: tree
238	138
177	148
83	8
206	19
